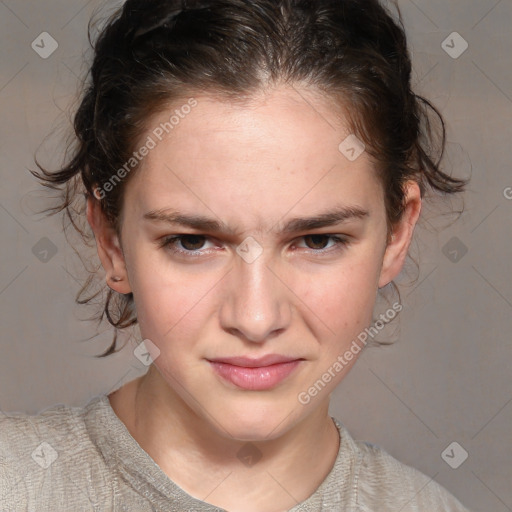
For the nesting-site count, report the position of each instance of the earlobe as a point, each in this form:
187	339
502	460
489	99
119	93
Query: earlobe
109	248
398	246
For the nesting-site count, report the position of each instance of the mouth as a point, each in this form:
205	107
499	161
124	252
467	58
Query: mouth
255	374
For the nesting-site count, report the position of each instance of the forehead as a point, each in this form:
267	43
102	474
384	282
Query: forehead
273	153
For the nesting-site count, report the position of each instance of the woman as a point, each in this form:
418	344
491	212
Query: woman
253	173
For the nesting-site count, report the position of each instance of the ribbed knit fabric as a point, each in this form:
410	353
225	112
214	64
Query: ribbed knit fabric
92	463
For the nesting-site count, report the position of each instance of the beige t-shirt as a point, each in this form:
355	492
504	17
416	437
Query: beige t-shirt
76	459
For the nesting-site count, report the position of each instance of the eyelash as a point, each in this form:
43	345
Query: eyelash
170	242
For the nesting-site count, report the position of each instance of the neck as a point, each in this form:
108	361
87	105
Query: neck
270	475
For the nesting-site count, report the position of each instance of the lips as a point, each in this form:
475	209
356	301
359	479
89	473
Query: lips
252	374
250	362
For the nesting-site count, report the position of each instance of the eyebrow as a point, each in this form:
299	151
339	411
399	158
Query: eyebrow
297	224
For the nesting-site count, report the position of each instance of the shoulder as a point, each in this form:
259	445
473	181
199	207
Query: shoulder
59	425
45	454
385	484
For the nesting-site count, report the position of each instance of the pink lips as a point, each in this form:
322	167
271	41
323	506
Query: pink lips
255	374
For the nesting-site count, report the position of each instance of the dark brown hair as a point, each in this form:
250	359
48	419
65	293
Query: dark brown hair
151	53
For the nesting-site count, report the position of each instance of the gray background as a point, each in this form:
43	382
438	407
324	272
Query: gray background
445	378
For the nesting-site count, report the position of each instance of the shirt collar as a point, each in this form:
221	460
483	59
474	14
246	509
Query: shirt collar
127	459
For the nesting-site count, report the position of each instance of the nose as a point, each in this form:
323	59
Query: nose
257	306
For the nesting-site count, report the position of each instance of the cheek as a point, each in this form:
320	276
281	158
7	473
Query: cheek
170	302
342	298
171	312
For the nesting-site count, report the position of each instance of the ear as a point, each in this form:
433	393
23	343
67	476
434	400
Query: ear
397	248
109	247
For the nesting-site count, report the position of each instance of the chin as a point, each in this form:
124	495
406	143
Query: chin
257	422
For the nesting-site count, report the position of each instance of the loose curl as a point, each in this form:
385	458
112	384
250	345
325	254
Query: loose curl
150	54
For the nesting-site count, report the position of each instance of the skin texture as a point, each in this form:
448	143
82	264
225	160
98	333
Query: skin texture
253	166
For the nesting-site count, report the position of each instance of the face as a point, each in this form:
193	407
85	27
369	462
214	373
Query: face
257	279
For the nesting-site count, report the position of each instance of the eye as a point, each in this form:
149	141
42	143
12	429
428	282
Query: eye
321	239
191	244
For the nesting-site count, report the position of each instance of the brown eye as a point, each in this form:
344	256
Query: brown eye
317	241
192	242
